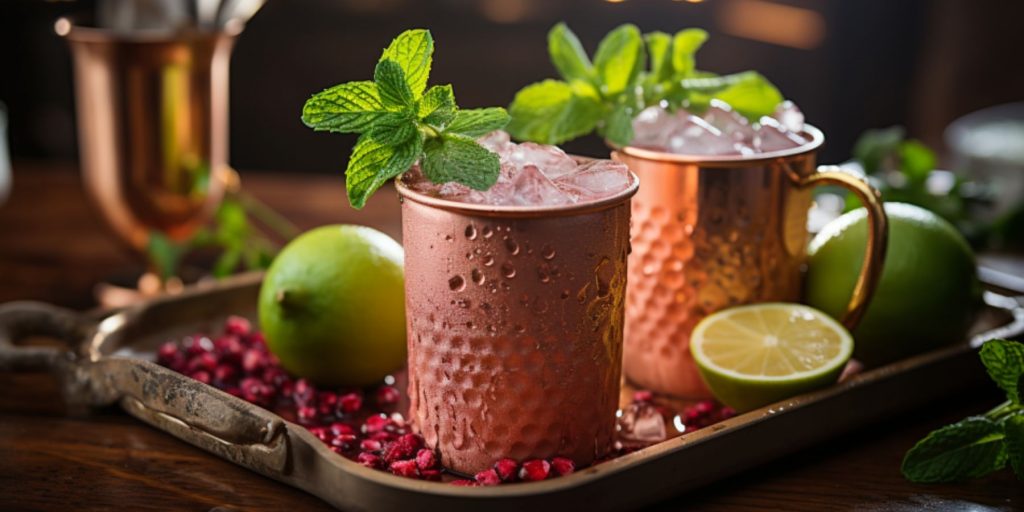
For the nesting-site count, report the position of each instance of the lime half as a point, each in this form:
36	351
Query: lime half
751	356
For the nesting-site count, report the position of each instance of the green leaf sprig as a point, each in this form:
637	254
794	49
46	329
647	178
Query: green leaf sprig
978	445
401	121
606	94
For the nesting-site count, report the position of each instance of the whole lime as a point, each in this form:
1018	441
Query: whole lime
929	289
332	306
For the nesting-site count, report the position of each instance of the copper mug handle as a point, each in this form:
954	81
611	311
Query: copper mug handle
878	234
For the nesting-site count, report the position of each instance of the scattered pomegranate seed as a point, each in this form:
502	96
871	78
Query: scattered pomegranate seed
204	361
431	474
344	441
506	469
402	448
406	468
237	325
370	460
562	466
387	395
321	433
167	352
224	373
307	414
253	361
464	483
350	403
303	393
369	445
534	470
425	459
326	403
338	428
201	375
375	424
488	477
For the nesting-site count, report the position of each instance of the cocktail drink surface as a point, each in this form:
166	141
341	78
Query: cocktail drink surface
515	303
721	220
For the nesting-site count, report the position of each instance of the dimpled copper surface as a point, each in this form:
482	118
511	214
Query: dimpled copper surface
514	331
705	239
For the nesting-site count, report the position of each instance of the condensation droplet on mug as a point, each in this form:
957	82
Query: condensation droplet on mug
471	232
512	246
457	283
488	232
548	252
477	276
463	303
488	260
508	270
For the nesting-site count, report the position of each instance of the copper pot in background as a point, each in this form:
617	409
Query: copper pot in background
515	319
152	125
710	232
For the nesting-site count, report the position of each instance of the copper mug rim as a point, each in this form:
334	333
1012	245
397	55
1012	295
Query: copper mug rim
67	28
489	210
817	139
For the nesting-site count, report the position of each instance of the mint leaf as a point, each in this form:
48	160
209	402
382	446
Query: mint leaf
1004	361
619	126
458	158
619	59
164	253
567	54
916	161
373	163
391	85
1013	429
413	51
659	48
684	46
753	97
394	128
478	121
345	108
971	448
552	112
437	107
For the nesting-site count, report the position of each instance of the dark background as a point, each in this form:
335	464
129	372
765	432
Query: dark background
850	65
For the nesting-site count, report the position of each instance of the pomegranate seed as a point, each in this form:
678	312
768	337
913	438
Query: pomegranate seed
204	361
233	391
350	403
229	348
370	460
338	428
403	447
255	391
307	414
643	396
224	374
406	468
562	466
433	475
257	338
387	395
337	449
167	352
275	376
375	424
201	375
344	441
253	361
321	433
326	402
369	445
304	393
487	477
237	325
425	459
506	469
534	470
382	436
197	345
464	483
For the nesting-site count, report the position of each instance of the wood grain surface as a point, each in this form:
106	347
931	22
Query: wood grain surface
54	247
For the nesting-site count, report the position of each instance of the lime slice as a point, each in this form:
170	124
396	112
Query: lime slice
755	355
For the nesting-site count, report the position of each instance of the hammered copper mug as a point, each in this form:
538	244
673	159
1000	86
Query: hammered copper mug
710	232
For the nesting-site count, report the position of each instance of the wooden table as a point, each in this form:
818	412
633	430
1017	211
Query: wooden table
54	247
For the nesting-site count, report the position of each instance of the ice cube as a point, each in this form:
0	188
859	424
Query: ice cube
551	160
533	188
694	136
730	123
595	180
789	116
642	422
772	136
651	127
497	141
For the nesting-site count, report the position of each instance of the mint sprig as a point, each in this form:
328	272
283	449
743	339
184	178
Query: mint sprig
978	445
401	121
606	94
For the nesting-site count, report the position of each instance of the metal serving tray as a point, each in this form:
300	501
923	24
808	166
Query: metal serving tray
108	359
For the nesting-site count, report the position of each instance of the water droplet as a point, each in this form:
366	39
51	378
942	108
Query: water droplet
469	325
512	246
493	329
463	303
471	232
488	260
469	255
548	252
508	270
488	232
565	294
457	283
477	276
519	328
542	273
448	238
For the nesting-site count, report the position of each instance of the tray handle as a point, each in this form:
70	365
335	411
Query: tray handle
21	319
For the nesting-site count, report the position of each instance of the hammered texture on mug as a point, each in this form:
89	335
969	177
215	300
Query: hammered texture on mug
703	240
515	332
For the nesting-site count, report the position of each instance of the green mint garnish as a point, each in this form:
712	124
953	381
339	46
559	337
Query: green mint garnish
401	121
606	94
978	445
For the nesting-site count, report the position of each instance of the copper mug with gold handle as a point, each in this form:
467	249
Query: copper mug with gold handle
710	232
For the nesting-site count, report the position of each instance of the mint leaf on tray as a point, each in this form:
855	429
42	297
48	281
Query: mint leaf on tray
1004	361
401	121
